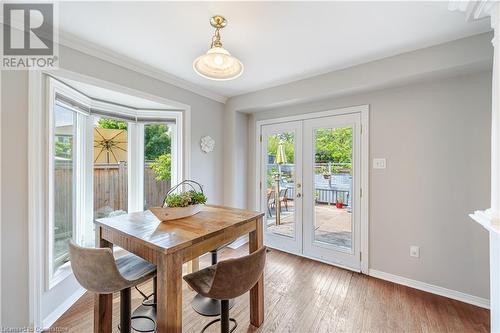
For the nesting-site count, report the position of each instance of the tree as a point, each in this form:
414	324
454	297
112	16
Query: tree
157	141
288	145
64	148
112	123
334	145
162	167
331	145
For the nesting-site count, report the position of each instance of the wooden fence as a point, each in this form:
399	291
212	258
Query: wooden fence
110	191
111	187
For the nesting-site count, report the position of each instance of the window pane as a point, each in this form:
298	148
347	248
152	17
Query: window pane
280	184
64	125
333	186
157	164
110	167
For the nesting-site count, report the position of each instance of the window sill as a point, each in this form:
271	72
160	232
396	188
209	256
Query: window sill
60	275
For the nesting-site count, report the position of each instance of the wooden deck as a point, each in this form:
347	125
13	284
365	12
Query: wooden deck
306	296
332	225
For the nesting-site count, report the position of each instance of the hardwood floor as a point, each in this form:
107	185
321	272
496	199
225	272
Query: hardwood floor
302	295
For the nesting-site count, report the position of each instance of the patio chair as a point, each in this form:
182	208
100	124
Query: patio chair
284	198
270	202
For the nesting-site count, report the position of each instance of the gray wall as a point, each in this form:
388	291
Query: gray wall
206	119
436	138
466	55
14	228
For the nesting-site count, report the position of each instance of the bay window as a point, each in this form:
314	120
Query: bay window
104	159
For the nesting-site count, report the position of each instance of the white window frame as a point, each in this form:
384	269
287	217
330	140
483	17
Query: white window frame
81	179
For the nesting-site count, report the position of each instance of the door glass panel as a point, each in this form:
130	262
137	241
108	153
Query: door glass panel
333	186
157	164
64	185
110	167
280	184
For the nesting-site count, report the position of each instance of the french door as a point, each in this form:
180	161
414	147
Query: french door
281	185
310	188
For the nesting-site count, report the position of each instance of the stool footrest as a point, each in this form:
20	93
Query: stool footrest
217	320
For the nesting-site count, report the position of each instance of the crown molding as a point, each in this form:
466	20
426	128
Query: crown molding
473	9
92	49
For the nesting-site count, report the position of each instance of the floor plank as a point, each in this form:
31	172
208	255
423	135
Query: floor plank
306	296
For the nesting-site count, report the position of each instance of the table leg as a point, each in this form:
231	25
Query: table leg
103	303
169	306
257	292
193	265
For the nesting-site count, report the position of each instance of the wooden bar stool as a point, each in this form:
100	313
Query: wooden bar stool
97	271
226	280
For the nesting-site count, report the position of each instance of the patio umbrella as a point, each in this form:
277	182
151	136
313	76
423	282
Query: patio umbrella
110	145
280	154
280	159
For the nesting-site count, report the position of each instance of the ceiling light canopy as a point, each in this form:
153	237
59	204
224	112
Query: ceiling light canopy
218	63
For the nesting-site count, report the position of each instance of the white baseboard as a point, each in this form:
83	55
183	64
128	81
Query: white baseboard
453	294
63	307
238	242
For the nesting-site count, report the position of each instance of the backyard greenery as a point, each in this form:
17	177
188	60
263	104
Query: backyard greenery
63	148
161	167
332	145
157	145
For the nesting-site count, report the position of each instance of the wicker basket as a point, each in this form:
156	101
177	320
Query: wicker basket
174	213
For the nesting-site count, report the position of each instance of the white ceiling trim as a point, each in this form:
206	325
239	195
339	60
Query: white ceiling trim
89	48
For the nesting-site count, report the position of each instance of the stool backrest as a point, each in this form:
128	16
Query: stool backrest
234	277
95	269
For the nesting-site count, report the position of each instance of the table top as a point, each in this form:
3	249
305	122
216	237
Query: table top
171	236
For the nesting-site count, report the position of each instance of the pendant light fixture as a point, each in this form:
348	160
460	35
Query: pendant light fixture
218	64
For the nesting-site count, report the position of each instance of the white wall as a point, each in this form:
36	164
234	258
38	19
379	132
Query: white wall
436	138
206	119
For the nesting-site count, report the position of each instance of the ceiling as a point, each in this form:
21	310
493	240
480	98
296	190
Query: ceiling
278	42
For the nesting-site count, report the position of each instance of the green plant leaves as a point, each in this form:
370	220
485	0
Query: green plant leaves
185	199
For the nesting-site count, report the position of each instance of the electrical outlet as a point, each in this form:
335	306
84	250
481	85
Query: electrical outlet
414	251
379	163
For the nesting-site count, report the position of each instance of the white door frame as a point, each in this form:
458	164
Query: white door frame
363	110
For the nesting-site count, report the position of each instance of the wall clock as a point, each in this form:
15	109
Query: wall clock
207	144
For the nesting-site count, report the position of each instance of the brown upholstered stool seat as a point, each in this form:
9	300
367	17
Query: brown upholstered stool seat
207	306
97	271
201	281
228	279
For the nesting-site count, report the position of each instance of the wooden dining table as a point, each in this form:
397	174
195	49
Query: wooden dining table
169	245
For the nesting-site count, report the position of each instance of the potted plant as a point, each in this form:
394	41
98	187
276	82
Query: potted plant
182	204
339	204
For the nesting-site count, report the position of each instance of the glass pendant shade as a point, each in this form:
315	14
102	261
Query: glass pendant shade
218	64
